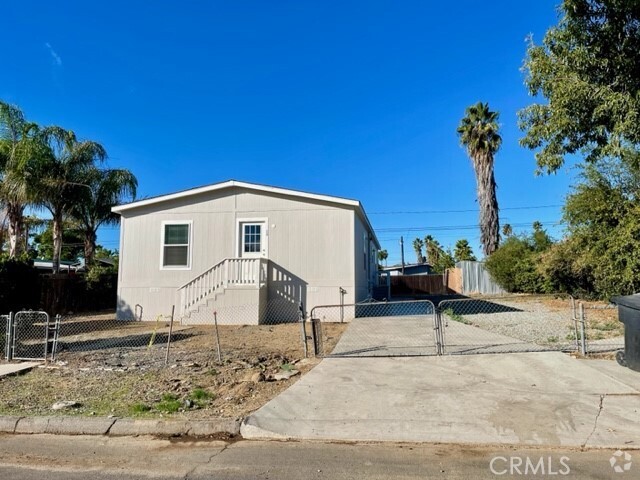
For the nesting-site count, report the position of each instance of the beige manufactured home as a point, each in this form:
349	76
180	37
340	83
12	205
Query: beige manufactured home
252	253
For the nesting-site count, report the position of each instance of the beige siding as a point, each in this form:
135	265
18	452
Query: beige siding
310	246
365	264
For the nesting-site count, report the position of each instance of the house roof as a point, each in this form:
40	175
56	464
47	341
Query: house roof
407	265
249	186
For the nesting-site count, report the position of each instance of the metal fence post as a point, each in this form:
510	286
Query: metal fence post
166	357
303	329
574	317
438	331
215	321
56	334
9	340
583	331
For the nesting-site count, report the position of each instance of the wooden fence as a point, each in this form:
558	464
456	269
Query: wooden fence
418	285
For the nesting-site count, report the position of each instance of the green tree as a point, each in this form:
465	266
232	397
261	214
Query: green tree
445	261
72	242
432	249
382	256
602	214
417	247
463	251
540	240
104	189
507	230
588	71
479	135
60	177
19	146
515	266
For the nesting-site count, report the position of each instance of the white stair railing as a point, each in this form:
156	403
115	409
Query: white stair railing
228	272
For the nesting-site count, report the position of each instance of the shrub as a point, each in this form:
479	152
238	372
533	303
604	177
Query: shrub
19	285
514	266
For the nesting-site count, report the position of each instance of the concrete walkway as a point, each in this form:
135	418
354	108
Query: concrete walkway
414	335
13	368
525	398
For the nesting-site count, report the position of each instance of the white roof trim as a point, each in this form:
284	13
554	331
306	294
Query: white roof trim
234	183
250	186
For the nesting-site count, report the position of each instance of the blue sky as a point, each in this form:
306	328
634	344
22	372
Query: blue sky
355	99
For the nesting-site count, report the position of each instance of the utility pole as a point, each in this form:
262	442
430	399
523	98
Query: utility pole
402	252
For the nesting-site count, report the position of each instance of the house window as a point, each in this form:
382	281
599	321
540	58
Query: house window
252	238
176	239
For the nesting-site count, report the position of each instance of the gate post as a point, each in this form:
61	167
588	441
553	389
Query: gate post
8	351
583	331
437	328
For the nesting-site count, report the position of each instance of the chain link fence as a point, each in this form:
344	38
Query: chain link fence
375	329
462	326
508	324
454	326
602	330
4	337
273	312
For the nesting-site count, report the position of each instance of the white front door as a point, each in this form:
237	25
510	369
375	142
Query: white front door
253	239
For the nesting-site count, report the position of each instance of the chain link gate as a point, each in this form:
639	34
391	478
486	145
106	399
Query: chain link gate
375	329
29	336
508	324
5	337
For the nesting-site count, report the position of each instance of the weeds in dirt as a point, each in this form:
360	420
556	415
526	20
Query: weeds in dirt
456	317
140	408
169	404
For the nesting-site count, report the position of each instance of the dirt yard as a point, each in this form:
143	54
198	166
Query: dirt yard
132	381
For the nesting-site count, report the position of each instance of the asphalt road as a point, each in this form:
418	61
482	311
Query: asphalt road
47	457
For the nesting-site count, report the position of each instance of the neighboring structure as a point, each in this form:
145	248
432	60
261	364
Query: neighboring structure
409	269
65	266
477	280
251	251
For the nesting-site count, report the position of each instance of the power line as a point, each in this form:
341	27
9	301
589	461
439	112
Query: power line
451	227
413	212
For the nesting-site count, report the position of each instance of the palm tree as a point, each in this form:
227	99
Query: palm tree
478	133
105	188
463	251
417	247
433	250
507	230
60	178
19	145
382	256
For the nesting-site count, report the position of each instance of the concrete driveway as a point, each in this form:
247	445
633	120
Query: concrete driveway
545	398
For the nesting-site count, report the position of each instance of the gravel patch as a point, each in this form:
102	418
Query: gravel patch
529	321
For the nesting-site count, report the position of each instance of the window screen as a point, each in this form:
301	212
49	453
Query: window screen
176	245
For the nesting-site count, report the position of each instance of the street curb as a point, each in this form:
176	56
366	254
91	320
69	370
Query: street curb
119	427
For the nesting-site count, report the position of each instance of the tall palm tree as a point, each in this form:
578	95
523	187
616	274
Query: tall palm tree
417	247
478	133
19	146
463	251
105	188
433	250
382	256
60	178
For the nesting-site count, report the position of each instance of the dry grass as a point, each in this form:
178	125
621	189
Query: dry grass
134	382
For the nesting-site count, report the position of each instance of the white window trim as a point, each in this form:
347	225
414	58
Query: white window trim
239	234
189	247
